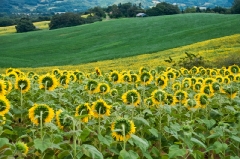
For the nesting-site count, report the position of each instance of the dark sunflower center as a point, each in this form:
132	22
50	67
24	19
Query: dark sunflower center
127	125
100	108
145	77
160	82
83	110
159	96
2	105
103	88
169	99
114	77
132	97
180	96
48	81
64	121
92	85
203	100
44	110
22	84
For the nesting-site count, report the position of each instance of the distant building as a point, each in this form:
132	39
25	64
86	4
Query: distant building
141	15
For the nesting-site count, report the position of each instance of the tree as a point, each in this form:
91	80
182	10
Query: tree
65	20
25	25
163	8
236	7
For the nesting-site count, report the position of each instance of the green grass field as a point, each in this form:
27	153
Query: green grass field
112	39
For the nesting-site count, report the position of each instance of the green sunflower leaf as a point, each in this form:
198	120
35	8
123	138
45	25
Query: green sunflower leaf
42	145
198	142
141	143
154	131
175	151
91	151
3	141
144	121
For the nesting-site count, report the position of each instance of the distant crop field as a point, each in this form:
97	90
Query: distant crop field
11	29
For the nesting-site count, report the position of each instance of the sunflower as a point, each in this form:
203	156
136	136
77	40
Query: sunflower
2	120
56	72
100	109
158	96
62	119
197	86
231	77
176	86
216	86
34	113
181	96
35	77
237	78
219	79
194	70
170	100
170	75
203	71
103	88
122	129
184	71
98	71
234	69
226	80
12	74
146	78
30	74
23	84
48	82
22	147
2	88
199	79
153	72
8	85
186	83
8	70
143	69
91	86
148	101
114	76
207	89
84	109
213	72
134	78
202	99
131	97
161	82
209	81
191	104
4	105
126	78
114	92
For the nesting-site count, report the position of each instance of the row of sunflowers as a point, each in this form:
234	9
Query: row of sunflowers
145	113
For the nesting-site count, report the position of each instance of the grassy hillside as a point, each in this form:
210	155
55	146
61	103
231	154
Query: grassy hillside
211	50
112	39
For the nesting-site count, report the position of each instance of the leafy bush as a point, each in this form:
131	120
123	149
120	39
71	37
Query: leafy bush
25	25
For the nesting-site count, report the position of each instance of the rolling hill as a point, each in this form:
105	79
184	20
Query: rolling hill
112	39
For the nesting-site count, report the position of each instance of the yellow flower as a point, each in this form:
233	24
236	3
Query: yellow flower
4	105
134	78
91	86
84	109
202	99
122	129
146	78
22	84
161	82
2	120
126	78
100	109
207	89
170	100
103	88
22	147
62	119
131	97
158	96
48	82
176	86
234	69
35	112
181	96
98	71
191	104
2	88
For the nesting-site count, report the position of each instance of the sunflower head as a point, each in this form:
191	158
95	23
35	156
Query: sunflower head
207	89
213	72
161	81
22	84
170	74
2	120
134	78
12	75
103	88
197	86
184	71
4	105
48	82
170	100
143	69
84	109
176	86
203	72
209	80
191	104
22	147
40	109
146	78
131	97
122	129
186	83
194	70
2	88
100	109
231	77
219	79
114	92
231	91
202	99
30	74
114	76
158	96
234	69
148	102
8	70
63	79
98	71
181	96
126	77
216	86
62	119
56	72
91	86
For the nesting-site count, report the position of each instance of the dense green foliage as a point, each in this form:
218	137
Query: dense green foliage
112	39
163	9
65	20
236	7
25	25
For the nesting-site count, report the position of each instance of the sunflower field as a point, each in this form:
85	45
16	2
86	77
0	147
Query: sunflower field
135	114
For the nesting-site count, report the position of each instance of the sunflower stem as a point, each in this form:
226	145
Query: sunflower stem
74	140
99	130
21	104
41	125
124	137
